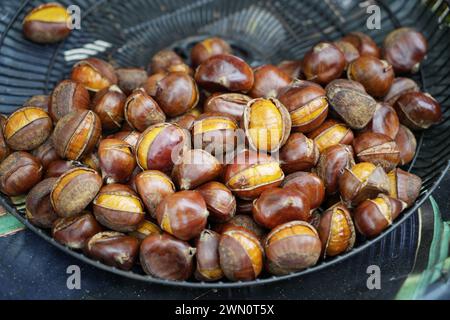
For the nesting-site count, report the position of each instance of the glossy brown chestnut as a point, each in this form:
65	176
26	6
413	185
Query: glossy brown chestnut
165	61
39	210
323	63
350	101
418	110
68	96
130	79
281	205
77	134
407	144
350	52
208	48
109	105
404	186
336	231
113	248
151	84
117	161
45	153
385	121
292	247
332	163
231	104
27	128
130	137
399	87
166	257
57	168
241	221
220	202
309	184
74	232
153	186
39	101
95	74
225	72
241	255
141	111
269	80
292	67
4	149
208	265
405	48
331	133
374	216
374	74
378	149
298	154
145	229
19	172
363	181
118	208
47	23
74	191
364	43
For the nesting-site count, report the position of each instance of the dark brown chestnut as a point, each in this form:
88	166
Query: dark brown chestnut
244	207
58	167
350	52
46	153
292	67
151	84
219	200
207	257
130	137
298	154
331	133
117	161
109	105
68	96
231	104
309	184
145	229
404	186
141	111
269	80
129	79
418	110
39	101
385	121
39	210
364	43
95	74
407	144
74	232
166	61
399	87
208	48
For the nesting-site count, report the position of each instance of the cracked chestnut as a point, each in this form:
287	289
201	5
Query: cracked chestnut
39	101
331	133
399	87
231	104
68	96
418	110
166	61
130	137
208	48
145	229
95	74
404	186
207	257
220	202
74	232
298	154
141	111
269	80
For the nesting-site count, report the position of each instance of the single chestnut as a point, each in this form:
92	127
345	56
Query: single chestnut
74	191
323	63
407	144
418	110
241	255
109	105
208	48
39	101
399	87
141	111
95	74
298	154
364	43
292	67
277	206
68	96
129	79
242	221
113	248
19	172
385	121
58	167
166	61
269	80
373	216
118	208
117	161
331	133
225	73
39	210
310	184
166	257
45	153
145	229
77	134
74	232
220	202
27	128
130	137
292	247
207	257
404	186
350	52
405	48
336	231
231	104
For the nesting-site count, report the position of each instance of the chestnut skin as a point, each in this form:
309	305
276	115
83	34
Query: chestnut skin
113	248
230	104
95	74
130	137
163	256
68	96
208	48
39	210
220	202
385	121
109	105
298	154
207	257
407	144
364	43
117	161
280	205
45	153
269	80
164	61
141	111
418	110
74	232
309	184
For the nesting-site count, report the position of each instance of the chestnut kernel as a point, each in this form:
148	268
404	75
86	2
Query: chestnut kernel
231	104
269	80
418	110
39	210
141	111
109	105
74	232
208	48
208	265
95	74
404	186
331	133
309	184
68	96
117	161
407	144
129	79
298	154
385	121
364	43
220	202
399	87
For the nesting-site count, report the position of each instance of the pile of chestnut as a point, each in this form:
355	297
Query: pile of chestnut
288	163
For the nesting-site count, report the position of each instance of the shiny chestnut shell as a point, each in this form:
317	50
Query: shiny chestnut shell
407	144
208	48
418	110
95	74
39	210
385	121
231	104
269	80
207	257
68	96
298	154
164	60
331	133
117	161
309	184
74	232
364	43
404	186
399	87
109	105
141	111
220	202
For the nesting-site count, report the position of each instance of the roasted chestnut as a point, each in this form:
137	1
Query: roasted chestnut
378	149
336	231
39	210
332	163
74	232
323	63
399	87
374	74
350	52
151	84
220	202
241	221
404	186
418	110
208	265
113	248
130	137
405	48
350	101
145	229
166	257
76	134
117	161
45	153
298	154
292	247
57	168
241	255
208	48
4	149
385	121
364	43
19	172
267	124
166	61
250	173
153	186
141	111
68	96
231	104
307	104
269	80
95	74
363	181
39	101
129	79
118	208
74	191
183	214
407	144
374	216
225	72
331	133
280	205
160	146
309	184
47	23
27	128
109	105
292	67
